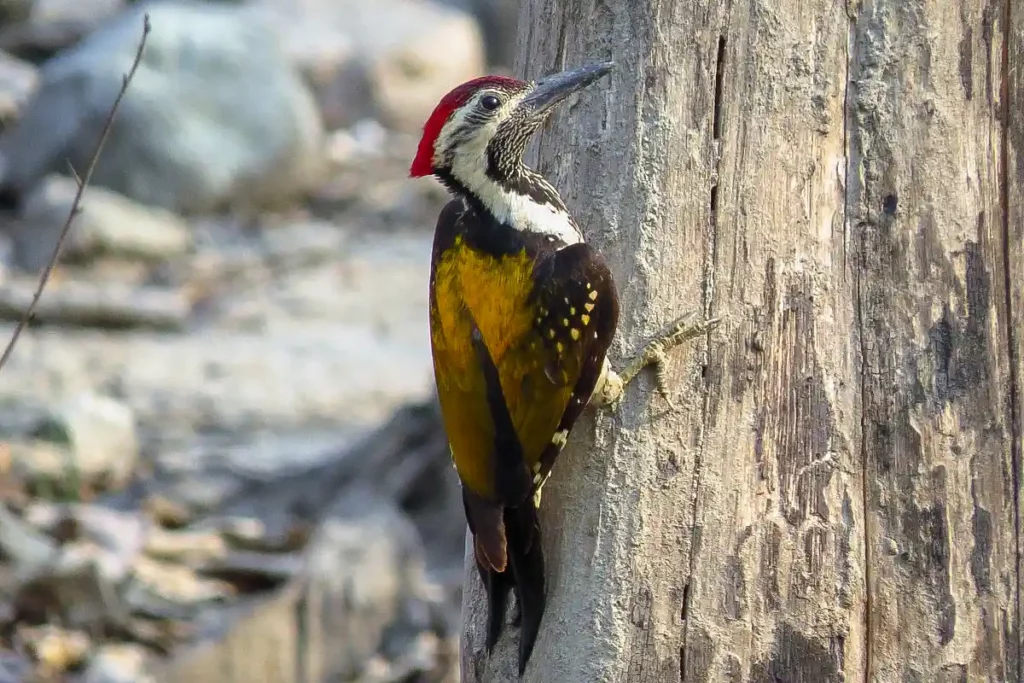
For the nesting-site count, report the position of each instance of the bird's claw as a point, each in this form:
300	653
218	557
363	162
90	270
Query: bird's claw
655	354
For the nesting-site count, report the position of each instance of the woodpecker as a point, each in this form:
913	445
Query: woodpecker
522	313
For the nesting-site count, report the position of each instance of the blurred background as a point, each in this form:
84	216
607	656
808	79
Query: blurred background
220	456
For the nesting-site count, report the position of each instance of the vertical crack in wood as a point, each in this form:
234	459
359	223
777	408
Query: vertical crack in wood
1015	398
641	617
526	18
560	54
711	259
716	121
683	614
850	187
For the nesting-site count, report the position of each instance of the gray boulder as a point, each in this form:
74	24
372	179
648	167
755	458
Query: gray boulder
364	574
499	20
216	116
37	29
18	80
108	225
390	60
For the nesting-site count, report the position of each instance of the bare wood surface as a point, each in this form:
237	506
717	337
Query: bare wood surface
1013	203
926	222
835	499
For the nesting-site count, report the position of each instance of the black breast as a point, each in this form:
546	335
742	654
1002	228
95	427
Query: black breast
468	217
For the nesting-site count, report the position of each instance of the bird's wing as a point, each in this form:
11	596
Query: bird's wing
556	365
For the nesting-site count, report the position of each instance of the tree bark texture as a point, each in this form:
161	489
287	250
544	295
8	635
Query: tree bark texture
836	495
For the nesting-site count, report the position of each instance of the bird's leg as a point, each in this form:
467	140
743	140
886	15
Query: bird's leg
654	353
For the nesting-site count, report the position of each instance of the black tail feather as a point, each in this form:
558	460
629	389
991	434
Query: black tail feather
526	560
497	585
486	522
524	573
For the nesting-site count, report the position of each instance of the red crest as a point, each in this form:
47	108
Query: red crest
423	164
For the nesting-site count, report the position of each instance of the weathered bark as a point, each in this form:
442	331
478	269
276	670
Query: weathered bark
1013	213
926	225
836	498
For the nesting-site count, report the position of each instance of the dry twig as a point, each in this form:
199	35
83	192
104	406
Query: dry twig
82	183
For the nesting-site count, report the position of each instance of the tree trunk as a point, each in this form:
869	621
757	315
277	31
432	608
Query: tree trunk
835	497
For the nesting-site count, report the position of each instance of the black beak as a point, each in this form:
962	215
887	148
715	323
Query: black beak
552	89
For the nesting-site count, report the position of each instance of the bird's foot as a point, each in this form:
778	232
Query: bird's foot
654	353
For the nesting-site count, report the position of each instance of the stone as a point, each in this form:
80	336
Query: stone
90	439
14	11
18	81
291	345
25	550
56	650
109	225
73	590
118	663
215	117
14	667
7	257
38	29
165	590
107	304
390	60
498	21
364	140
364	565
110	539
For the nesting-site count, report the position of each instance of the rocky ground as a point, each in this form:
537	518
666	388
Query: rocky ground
220	457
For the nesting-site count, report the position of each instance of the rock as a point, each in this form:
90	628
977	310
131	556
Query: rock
13	11
332	347
250	572
112	305
185	546
350	147
118	663
364	565
416	661
45	27
166	512
170	591
498	20
56	650
7	256
108	225
391	60
110	538
257	642
216	115
91	439
14	667
23	548
18	81
72	590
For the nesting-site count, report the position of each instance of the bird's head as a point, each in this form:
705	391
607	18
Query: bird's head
477	135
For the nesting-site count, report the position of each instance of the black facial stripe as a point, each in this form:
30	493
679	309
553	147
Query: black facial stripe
491	235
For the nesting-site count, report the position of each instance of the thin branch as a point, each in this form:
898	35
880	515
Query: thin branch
82	184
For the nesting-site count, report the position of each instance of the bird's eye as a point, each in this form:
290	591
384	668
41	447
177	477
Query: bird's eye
490	102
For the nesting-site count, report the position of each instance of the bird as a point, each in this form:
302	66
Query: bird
522	312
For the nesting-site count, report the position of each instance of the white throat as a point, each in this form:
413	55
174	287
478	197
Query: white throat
469	167
518	210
